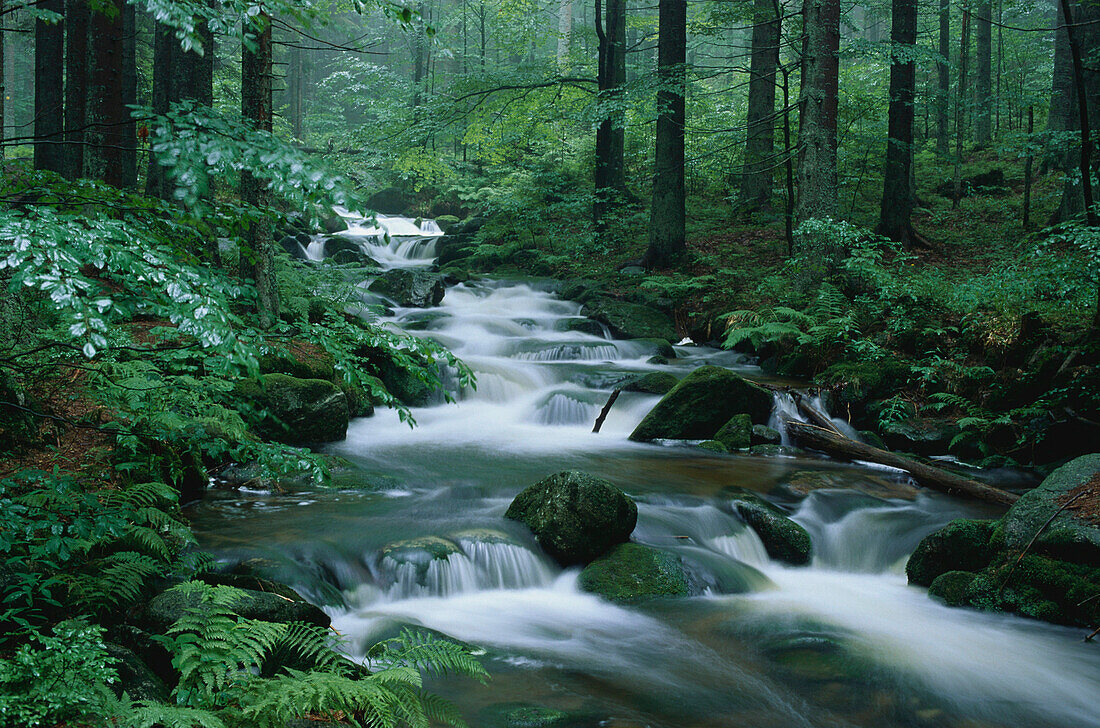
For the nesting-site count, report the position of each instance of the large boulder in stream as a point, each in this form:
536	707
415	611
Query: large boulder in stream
576	517
783	539
1041	560
631	572
294	411
415	288
697	407
631	320
652	383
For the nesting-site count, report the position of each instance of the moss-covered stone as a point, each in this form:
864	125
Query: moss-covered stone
631	320
416	288
713	446
961	545
737	433
697	407
661	347
419	553
952	587
135	678
857	383
167	607
294	411
575	516
584	326
652	383
784	539
522	715
764	435
302	361
632	572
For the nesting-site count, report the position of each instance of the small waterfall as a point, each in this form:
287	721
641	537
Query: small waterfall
565	409
481	565
785	407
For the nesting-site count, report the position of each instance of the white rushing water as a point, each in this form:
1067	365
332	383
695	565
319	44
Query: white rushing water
705	661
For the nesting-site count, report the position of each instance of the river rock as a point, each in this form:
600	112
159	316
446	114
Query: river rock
920	435
166	608
697	407
416	288
333	224
963	544
390	201
302	360
952	587
290	244
295	411
661	347
584	326
523	715
631	572
652	383
737	433
419	553
784	539
575	516
713	446
631	320
764	435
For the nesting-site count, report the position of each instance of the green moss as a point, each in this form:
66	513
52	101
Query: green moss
521	715
653	383
1066	536
784	539
962	544
737	433
697	407
860	382
631	320
292	410
713	446
953	587
633	572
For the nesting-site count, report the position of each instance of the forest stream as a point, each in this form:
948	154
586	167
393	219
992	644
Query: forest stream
842	642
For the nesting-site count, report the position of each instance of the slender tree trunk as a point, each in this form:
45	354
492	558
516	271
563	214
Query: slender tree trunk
106	116
667	214
983	90
565	31
943	97
1027	168
610	136
758	173
419	52
817	172
1061	116
295	85
258	258
897	197
49	94
76	89
1082	41
3	86
960	104
128	154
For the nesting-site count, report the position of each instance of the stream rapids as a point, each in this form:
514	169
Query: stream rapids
842	642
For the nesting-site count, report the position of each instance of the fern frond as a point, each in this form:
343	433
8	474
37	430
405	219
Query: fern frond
160	715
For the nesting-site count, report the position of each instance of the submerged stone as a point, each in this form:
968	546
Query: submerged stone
522	715
784	539
713	446
697	407
575	516
632	572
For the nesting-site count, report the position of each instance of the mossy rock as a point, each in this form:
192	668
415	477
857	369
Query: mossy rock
652	383
697	407
857	383
404	384
1039	587
737	433
764	435
631	320
713	446
661	347
953	587
657	361
632	572
522	715
584	326
303	362
920	435
961	545
333	223
771	450
421	551
412	288
784	539
295	411
575	517
167	607
446	222
135	678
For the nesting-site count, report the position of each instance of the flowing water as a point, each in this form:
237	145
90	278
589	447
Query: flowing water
415	535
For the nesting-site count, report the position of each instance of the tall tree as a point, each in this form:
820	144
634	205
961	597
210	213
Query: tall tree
667	214
758	173
960	102
128	154
105	113
3	86
76	87
258	258
565	31
1082	42
983	83
943	96
817	174
610	171
897	196
49	94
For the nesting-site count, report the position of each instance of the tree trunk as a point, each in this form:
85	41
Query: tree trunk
258	258
106	116
3	86
295	86
817	173
49	93
758	172
1062	116
960	104
610	136
76	89
565	32
897	195
128	153
667	213
831	443
1082	31
943	97
983	88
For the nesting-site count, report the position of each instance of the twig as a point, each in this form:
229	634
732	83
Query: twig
606	408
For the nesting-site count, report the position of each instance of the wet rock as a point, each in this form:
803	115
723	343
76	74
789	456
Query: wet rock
301	361
251	583
522	715
167	607
580	290
771	450
952	587
657	361
135	678
295	411
815	658
290	244
419	553
333	224
575	516
405	384
701	403
631	320
713	446
416	288
584	326
390	201
632	572
737	433
446	222
784	539
661	347
764	435
920	435
652	383
963	544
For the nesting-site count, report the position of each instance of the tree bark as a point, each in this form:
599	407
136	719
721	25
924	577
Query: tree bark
1082	30
610	179
897	196
943	97
565	32
960	104
76	88
836	445
258	258
3	87
667	213
128	153
983	87
106	115
817	137
759	168
49	93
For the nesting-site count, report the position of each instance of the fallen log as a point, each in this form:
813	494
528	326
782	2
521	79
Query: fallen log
831	443
813	415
